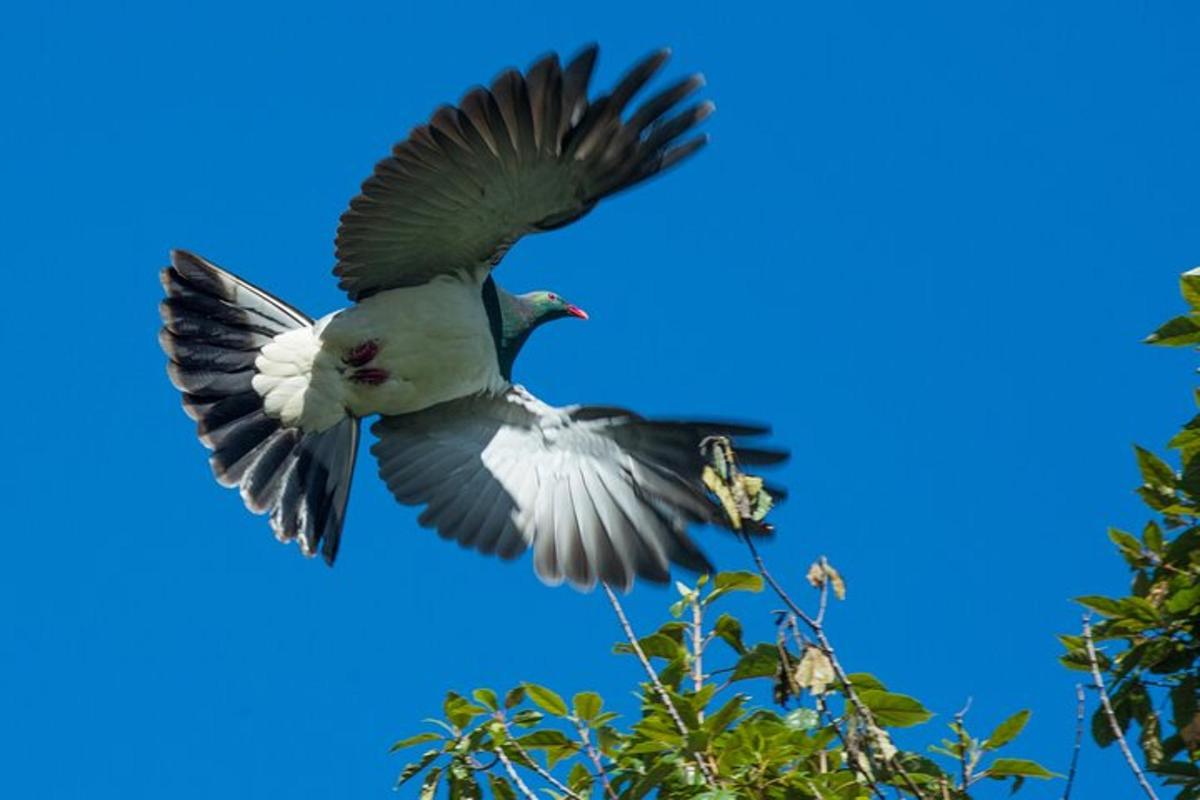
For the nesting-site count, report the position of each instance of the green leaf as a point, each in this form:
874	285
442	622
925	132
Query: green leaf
725	715
420	738
430	784
1130	547
1189	287
1139	609
1152	537
895	710
501	789
514	696
1183	600
548	700
726	582
1006	731
651	780
1155	471
544	740
1018	767
1102	731
1184	701
587	705
656	645
487	697
865	680
459	710
527	718
761	662
1176	333
1103	605
729	630
579	779
415	767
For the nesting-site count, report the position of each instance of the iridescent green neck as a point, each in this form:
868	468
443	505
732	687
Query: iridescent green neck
514	316
518	318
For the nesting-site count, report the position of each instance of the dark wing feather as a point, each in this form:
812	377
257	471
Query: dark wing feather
530	153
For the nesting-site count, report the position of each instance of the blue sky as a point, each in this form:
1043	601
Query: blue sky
942	231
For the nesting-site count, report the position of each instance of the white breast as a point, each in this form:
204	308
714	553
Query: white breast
434	344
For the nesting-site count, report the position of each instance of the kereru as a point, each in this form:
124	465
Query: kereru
598	493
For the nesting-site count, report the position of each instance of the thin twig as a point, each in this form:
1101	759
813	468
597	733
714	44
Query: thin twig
512	773
963	744
851	749
594	755
824	601
1080	711
697	645
662	690
826	648
534	765
1094	663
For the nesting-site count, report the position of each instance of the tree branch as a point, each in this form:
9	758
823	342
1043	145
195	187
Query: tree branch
964	745
827	649
697	644
1080	711
1094	663
662	690
851	750
594	755
534	765
824	601
512	773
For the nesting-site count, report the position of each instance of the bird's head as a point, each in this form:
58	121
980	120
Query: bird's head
544	306
520	314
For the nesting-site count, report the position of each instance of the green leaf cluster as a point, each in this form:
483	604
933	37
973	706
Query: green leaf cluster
1147	641
810	743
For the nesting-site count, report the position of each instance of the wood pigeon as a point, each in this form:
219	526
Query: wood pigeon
598	493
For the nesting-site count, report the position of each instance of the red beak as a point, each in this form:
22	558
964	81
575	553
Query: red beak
576	311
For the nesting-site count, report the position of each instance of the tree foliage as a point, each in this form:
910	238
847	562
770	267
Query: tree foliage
720	717
809	743
1147	650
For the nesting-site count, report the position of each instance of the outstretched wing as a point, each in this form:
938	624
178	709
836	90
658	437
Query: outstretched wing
597	493
530	154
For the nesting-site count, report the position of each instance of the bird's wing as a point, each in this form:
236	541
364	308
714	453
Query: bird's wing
598	493
529	154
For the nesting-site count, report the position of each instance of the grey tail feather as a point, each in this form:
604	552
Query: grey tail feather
214	324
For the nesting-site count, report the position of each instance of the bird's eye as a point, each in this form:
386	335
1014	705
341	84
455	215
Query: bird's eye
553	297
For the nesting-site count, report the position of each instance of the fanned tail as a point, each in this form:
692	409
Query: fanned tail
214	324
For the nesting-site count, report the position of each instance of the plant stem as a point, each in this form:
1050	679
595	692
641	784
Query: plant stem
535	766
1080	711
512	773
1094	663
963	745
697	645
594	755
662	690
827	649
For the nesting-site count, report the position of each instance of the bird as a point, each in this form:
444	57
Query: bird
429	342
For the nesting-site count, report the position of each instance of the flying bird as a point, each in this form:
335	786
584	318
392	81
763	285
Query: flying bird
430	340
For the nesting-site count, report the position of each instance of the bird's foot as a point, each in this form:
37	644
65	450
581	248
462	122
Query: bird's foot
361	354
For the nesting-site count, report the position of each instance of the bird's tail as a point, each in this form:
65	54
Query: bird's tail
214	325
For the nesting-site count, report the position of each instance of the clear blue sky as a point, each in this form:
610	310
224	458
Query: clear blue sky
945	229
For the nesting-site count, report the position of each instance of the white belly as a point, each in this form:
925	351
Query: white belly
428	344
